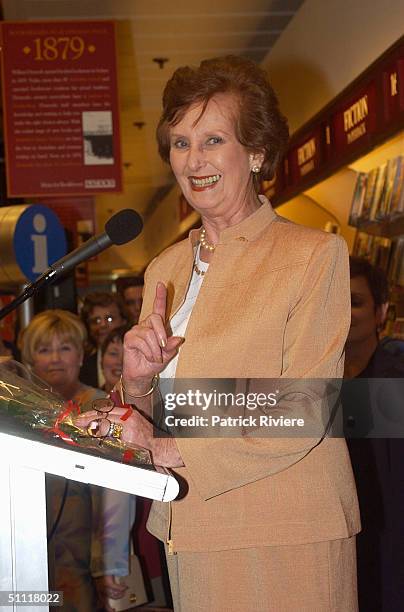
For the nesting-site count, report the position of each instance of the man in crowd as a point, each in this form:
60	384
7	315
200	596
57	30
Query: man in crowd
131	290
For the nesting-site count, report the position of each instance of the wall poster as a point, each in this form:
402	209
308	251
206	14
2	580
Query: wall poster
61	112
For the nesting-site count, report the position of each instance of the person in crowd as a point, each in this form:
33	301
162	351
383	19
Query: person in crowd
113	516
52	346
112	357
113	511
112	360
132	294
101	312
365	354
249	295
378	462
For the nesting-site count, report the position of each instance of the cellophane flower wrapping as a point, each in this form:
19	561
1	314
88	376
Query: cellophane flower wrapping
29	409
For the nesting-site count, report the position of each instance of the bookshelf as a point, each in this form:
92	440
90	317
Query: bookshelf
352	166
377	213
378	199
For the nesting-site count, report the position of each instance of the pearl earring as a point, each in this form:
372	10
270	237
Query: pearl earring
256	169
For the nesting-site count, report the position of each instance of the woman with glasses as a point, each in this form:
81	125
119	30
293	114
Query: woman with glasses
101	313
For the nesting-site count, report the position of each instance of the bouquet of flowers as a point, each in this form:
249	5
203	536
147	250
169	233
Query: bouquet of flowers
30	409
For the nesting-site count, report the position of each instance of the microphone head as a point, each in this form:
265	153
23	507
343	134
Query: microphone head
124	226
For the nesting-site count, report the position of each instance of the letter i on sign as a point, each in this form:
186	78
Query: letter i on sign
40	241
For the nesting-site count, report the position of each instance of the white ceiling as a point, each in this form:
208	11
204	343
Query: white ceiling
182	31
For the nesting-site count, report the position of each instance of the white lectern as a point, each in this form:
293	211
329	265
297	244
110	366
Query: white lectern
23	464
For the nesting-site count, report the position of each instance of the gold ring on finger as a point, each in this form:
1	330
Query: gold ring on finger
115	431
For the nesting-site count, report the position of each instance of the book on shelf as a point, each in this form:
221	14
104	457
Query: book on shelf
396	266
375	249
395	328
369	193
382	253
362	245
393	174
395	321
376	204
358	197
400	190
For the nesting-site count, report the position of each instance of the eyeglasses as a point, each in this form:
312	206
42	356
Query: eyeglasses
102	427
103	405
98	320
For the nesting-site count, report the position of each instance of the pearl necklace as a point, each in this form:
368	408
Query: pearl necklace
204	243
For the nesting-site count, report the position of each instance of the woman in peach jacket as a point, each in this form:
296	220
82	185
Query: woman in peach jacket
264	523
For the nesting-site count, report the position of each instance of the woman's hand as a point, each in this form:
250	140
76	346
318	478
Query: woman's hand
147	348
138	430
109	587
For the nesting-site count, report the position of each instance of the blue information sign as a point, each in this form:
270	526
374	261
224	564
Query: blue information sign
39	240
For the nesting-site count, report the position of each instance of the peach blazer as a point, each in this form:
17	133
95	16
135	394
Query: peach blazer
275	302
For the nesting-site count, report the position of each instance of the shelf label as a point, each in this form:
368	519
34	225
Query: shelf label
306	157
393	91
355	121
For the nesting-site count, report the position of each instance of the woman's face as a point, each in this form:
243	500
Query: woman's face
212	168
112	363
57	362
365	318
102	320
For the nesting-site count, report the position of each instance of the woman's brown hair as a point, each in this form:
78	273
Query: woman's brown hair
259	126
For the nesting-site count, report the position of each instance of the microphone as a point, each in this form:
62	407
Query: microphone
123	227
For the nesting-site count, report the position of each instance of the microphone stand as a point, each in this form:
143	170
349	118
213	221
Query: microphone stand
25	311
29	291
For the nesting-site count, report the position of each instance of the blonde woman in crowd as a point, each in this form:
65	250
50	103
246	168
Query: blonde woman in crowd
52	347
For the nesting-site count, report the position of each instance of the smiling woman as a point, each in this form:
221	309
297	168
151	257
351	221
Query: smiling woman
112	356
247	296
210	164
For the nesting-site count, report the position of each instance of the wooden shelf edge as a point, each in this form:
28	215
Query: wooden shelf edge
387	229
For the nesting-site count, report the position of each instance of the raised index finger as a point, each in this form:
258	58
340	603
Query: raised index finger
160	301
